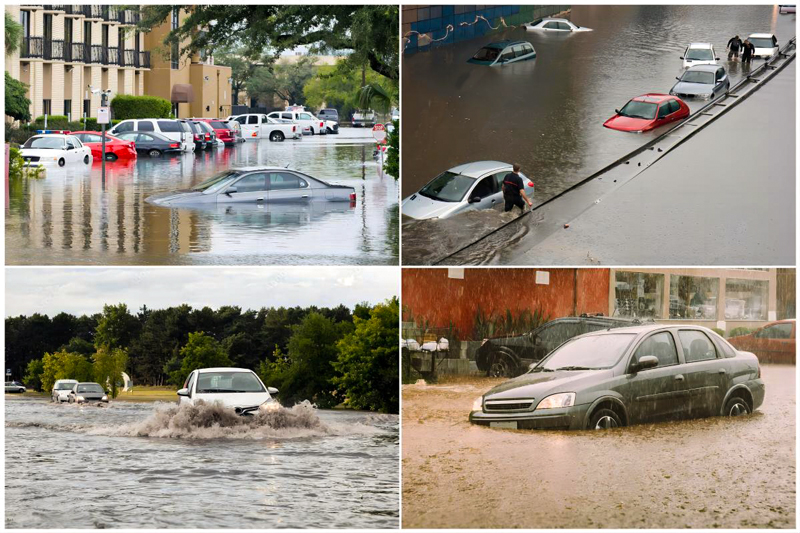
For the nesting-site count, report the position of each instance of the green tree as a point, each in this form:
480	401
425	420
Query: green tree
286	81
202	351
368	359
33	375
13	34
117	328
392	165
63	365
242	67
79	346
17	103
339	87
109	364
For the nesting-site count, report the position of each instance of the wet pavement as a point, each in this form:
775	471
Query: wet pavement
72	217
704	473
547	114
136	465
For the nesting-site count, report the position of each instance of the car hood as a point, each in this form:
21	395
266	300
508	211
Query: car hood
540	384
421	207
91	395
690	88
41	152
187	196
237	399
618	122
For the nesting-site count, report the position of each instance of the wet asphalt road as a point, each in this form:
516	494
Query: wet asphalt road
704	473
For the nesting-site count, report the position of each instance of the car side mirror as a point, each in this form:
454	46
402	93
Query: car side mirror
616	111
475	199
532	366
272	390
678	78
681	57
645	362
230	190
183	392
716	59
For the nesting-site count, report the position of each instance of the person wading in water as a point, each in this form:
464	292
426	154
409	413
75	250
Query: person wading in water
514	191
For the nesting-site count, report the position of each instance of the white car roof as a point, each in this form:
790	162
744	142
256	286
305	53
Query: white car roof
66	381
59	135
223	369
479	168
700	45
252	169
762	35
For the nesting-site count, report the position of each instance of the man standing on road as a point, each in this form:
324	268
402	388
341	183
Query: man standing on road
733	47
747	51
514	191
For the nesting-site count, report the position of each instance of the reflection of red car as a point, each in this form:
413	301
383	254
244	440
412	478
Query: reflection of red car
648	111
221	128
773	343
115	148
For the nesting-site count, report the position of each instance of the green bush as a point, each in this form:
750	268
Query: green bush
126	106
720	332
17	136
735	332
54	122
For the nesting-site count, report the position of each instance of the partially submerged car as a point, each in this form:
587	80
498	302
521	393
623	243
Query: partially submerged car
15	387
257	185
503	52
554	24
465	187
61	390
115	148
50	149
238	388
766	44
702	81
773	343
699	54
87	392
647	112
627	376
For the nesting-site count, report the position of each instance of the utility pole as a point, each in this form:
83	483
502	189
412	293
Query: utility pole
103	118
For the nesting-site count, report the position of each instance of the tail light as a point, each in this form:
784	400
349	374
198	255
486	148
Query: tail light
174	145
254	134
208	136
530	184
353	199
321	124
294	129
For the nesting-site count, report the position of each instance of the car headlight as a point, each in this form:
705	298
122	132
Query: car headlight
270	405
477	405
104	398
81	399
554	401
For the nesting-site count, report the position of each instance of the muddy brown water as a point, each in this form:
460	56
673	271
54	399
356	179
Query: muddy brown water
704	473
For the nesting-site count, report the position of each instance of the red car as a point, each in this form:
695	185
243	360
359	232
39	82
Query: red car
115	148
648	111
773	343
221	128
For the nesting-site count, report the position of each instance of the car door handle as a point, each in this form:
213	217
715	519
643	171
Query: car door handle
304	196
261	199
679	377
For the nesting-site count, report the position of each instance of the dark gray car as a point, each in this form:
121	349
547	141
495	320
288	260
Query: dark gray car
87	392
702	81
627	376
151	143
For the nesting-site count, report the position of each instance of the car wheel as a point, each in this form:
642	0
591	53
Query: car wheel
276	136
86	159
500	367
61	162
736	406
111	157
604	419
154	153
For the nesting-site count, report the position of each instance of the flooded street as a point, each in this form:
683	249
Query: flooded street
136	465
72	217
547	114
705	473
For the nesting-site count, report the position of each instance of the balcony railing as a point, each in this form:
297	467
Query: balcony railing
93	11
97	54
144	59
126	16
32	47
54	49
73	52
112	56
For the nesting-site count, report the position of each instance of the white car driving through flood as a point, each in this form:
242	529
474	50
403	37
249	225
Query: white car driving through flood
61	390
51	149
238	388
466	187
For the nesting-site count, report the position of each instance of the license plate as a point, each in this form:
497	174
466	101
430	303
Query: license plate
503	425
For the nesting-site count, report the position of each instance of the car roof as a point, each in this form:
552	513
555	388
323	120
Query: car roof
704	68
653	98
261	168
477	169
549	19
762	35
646	328
223	369
700	45
59	135
66	381
88	383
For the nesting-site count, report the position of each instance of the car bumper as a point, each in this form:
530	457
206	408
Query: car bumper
758	390
564	418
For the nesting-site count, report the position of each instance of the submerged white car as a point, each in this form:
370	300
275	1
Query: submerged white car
238	388
766	44
466	187
699	54
61	390
554	24
50	149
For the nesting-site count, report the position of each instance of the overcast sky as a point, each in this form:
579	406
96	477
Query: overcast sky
85	290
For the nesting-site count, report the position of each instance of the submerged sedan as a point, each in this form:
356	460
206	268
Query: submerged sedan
503	52
237	388
87	392
55	149
647	112
702	81
627	376
465	187
257	185
554	24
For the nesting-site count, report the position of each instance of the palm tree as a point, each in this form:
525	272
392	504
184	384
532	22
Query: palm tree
373	96
13	34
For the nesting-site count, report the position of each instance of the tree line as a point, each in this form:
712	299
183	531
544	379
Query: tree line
329	356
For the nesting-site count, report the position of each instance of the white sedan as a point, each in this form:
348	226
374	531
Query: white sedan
238	388
699	54
551	24
55	149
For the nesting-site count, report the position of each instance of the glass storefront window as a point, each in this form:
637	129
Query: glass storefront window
745	299
693	298
637	294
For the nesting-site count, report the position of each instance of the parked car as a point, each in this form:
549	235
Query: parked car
702	81
15	387
202	139
554	24
363	119
647	112
259	126
115	148
50	149
257	185
303	118
237	388
766	44
329	115
170	128
237	130
221	129
87	392
188	135
465	187
151	143
210	133
699	54
61	389
503	53
772	343
786	9
507	357
626	376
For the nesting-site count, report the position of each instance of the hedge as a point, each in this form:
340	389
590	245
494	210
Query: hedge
735	332
59	122
125	106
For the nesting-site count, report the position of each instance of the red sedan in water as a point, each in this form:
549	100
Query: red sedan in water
773	343
221	128
115	148
647	112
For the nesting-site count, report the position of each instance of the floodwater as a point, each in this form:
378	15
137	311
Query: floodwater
72	217
704	473
547	114
135	465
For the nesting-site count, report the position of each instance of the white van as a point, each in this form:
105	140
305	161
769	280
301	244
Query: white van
303	118
177	130
61	390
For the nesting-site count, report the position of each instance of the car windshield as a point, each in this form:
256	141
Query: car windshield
217	125
213	382
587	353
636	109
447	187
65	386
91	387
487	54
216	183
700	54
696	76
761	42
45	143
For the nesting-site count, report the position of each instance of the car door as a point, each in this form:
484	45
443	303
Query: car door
250	188
145	142
284	186
506	57
705	372
774	342
658	392
485	190
189	384
551	26
720	81
73	152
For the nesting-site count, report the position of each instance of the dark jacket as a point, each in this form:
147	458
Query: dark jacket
735	43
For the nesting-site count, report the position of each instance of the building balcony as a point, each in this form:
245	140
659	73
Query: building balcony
53	50
112	56
74	53
92	11
144	59
126	16
32	47
134	58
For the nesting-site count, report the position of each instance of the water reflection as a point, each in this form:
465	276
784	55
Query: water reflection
72	216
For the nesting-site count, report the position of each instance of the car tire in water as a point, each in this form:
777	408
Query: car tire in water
500	367
736	406
61	162
111	157
276	136
154	153
604	419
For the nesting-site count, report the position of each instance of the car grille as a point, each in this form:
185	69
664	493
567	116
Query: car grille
497	406
30	158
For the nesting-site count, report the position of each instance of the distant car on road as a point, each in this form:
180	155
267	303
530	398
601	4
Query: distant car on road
331	118
151	143
465	187
625	376
61	389
238	388
702	81
257	185
647	112
14	387
554	24
115	148
51	149
87	392
503	53
766	44
785	9
772	343
699	54
363	119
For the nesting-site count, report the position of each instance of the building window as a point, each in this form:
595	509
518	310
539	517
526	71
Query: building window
693	298
47	107
68	109
87	33
25	20
746	299
637	294
86	104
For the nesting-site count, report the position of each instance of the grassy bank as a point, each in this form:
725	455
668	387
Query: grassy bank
138	394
